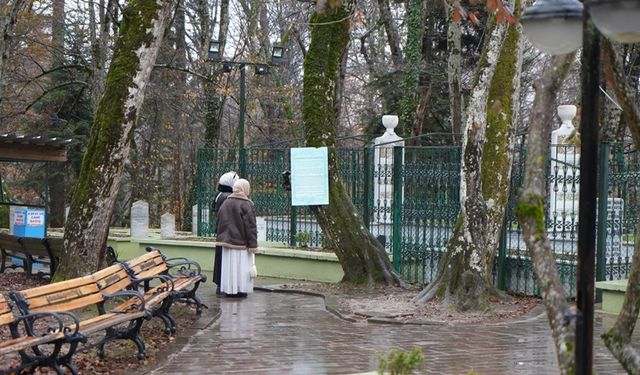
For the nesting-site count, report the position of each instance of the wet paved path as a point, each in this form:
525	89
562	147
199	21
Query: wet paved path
275	333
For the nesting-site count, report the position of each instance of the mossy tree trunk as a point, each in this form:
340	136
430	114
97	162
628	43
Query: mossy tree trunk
410	83
531	209
8	18
618	338
454	67
363	259
141	32
464	276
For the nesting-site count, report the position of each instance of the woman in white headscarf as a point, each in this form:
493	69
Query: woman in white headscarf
238	236
225	188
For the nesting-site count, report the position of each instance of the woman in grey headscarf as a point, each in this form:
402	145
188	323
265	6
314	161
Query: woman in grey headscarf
225	188
238	236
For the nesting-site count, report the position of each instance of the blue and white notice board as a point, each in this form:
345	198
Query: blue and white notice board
29	222
309	176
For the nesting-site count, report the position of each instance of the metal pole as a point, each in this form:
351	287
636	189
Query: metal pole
603	190
588	193
396	243
366	205
243	106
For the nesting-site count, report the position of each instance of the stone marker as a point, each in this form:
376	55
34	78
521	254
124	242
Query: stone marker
261	223
140	219
167	226
194	219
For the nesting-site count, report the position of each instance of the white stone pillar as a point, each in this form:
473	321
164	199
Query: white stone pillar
565	167
383	170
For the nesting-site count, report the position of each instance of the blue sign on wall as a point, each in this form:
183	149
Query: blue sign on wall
19	221
35	223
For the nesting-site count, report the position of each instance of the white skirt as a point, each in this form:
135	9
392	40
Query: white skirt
236	271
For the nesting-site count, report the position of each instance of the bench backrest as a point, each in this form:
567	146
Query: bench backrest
6	316
9	242
67	295
112	279
147	265
34	246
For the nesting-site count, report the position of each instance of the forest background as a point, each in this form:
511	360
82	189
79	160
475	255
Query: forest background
60	50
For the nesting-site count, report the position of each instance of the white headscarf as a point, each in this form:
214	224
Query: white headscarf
228	179
242	186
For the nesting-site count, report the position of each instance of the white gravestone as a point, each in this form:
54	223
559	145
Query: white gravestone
565	167
194	219
383	169
261	223
167	226
139	219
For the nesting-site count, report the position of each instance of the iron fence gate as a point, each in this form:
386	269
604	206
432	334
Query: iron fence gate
411	206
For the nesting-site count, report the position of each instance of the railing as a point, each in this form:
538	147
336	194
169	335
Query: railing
411	206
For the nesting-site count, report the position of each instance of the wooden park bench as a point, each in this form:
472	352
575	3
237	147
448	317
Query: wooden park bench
39	345
185	274
157	299
45	251
82	297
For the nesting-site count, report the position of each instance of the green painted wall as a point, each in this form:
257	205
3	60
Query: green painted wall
270	261
612	295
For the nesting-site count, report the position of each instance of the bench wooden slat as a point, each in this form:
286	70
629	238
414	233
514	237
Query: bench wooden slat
6	316
71	305
107	272
149	264
108	320
22	343
112	279
157	270
63	296
55	287
143	258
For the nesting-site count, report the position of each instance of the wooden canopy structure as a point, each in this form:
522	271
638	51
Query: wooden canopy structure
21	148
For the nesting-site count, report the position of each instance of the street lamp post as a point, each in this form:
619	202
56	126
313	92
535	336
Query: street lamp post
277	54
544	24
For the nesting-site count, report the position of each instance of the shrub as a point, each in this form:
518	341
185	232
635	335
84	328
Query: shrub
398	362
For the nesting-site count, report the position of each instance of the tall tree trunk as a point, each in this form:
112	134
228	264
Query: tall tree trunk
141	32
215	98
8	18
464	276
618	338
392	33
362	257
454	68
413	62
99	47
57	187
531	210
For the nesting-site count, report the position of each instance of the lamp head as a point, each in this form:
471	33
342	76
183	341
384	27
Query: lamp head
277	54
554	26
616	19
214	50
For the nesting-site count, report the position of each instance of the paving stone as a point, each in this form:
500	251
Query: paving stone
277	333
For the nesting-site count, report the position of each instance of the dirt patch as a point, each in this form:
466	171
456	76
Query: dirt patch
120	355
396	304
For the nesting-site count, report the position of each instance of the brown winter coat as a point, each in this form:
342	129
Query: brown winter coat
237	224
